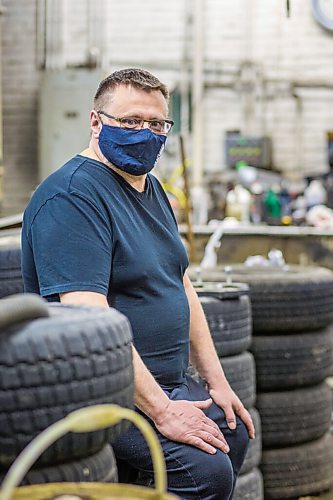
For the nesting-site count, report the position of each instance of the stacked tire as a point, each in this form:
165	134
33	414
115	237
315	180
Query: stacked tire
11	281
228	313
292	310
55	359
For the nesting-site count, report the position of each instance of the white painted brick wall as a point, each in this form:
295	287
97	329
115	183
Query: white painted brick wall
76	31
20	85
151	33
294	48
145	31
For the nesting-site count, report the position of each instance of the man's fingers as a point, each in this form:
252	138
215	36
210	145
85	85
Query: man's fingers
214	430
202	445
246	417
230	418
203	405
216	441
214	437
206	443
213	425
211	428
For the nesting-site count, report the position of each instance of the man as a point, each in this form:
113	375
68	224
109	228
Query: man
100	231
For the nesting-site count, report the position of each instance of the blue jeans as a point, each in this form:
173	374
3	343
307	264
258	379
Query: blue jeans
192	473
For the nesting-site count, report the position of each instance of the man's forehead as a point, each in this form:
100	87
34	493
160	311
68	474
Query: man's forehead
130	91
128	95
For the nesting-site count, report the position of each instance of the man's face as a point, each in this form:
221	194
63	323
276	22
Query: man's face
127	101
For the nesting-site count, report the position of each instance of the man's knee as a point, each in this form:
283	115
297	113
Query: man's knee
204	476
243	434
238	441
218	474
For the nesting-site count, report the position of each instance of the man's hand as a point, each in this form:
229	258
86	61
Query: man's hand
185	422
226	399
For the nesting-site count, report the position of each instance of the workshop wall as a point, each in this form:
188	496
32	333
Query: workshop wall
292	59
286	91
19	88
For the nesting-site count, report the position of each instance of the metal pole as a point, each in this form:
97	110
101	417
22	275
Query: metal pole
185	80
197	92
2	10
188	207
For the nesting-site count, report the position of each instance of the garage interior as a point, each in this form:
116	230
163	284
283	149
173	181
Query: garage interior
248	171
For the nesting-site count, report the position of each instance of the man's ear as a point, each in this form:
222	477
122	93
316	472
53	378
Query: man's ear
95	124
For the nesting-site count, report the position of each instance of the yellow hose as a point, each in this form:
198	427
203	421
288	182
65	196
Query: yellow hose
170	184
85	420
177	192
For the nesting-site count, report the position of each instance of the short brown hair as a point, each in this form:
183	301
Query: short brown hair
137	78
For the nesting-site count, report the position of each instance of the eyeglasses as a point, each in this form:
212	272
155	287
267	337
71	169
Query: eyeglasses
156	126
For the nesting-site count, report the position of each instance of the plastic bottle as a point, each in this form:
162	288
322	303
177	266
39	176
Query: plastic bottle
256	209
272	204
243	197
315	194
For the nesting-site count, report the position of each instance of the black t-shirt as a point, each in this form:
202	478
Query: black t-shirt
86	228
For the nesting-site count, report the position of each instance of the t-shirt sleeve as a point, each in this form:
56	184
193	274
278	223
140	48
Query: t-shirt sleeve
72	246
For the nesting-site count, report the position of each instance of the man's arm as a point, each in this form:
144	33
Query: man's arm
182	421
205	359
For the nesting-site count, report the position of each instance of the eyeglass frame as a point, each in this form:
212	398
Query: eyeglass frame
141	120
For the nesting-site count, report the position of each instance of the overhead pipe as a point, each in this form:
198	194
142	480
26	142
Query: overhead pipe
198	192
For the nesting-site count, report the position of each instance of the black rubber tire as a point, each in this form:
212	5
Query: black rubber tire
253	455
49	367
298	470
230	323
329	382
249	486
10	270
296	298
21	307
291	361
240	373
296	416
100	467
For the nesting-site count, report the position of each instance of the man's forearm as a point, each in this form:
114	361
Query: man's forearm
149	397
179	420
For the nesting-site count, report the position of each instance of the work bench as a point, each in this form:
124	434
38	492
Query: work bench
299	244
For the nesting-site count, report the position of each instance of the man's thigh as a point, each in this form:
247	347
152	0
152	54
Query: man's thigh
192	473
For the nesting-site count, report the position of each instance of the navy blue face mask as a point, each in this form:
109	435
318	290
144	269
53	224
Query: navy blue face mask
133	151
